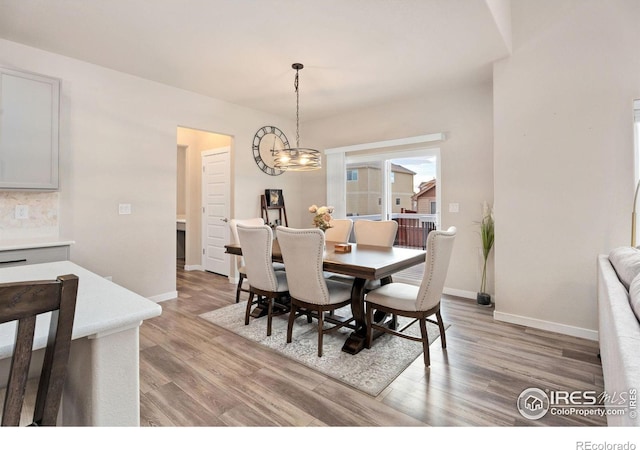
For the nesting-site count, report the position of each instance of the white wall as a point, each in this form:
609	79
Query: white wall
465	115
118	141
563	156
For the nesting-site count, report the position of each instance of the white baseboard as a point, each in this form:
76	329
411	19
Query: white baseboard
401	279
546	325
446	290
529	321
162	297
460	293
193	267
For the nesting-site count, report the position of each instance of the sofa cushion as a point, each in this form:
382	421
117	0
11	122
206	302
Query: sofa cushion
634	296
626	263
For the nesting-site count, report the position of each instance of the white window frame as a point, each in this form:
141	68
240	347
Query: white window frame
636	165
337	158
636	138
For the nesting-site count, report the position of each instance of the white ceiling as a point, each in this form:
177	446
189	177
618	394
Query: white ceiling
356	53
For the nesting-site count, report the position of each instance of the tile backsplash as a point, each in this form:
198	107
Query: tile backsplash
40	214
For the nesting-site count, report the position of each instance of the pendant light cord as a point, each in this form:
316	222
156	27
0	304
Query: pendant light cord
295	84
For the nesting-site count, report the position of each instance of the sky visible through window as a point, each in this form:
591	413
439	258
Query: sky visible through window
423	166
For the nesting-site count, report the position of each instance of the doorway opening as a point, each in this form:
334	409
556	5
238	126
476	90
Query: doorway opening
397	180
389	180
402	187
191	145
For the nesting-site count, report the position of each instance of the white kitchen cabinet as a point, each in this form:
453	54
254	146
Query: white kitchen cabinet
33	251
29	129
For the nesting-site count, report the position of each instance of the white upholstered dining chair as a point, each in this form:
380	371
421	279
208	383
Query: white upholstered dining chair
416	302
340	230
242	273
381	233
375	232
264	280
311	294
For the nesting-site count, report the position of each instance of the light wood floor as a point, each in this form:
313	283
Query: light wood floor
196	374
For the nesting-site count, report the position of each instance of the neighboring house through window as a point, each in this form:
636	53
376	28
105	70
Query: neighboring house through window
378	174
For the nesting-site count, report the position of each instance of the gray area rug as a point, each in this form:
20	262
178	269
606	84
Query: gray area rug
369	371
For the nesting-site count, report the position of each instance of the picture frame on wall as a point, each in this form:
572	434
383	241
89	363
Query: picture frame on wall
274	198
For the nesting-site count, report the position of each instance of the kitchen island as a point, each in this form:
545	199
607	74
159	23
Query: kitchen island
103	379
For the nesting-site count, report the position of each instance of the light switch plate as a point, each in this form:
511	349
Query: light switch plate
124	208
454	207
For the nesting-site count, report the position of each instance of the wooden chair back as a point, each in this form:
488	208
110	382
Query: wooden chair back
23	302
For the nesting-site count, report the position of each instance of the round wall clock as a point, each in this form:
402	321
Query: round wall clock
265	142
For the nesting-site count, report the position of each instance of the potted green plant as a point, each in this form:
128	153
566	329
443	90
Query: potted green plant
487	234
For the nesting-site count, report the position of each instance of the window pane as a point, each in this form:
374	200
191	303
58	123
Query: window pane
414	192
364	189
402	189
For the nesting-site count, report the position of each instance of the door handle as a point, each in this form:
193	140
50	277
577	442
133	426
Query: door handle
225	219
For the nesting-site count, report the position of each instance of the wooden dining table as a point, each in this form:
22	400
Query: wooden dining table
363	263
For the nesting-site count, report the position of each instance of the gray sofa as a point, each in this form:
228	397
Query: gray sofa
619	329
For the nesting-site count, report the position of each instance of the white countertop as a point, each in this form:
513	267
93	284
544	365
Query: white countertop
20	244
102	306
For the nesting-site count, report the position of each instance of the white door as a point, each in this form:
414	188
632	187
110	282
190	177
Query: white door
215	210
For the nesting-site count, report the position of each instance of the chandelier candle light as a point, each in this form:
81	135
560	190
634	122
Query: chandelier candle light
297	159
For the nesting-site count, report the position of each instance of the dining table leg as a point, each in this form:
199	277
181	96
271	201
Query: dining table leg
358	338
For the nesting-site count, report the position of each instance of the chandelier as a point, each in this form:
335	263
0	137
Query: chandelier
297	159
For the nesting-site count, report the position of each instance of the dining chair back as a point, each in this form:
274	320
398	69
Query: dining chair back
415	302
340	230
242	273
375	232
381	233
264	280
439	249
23	302
311	294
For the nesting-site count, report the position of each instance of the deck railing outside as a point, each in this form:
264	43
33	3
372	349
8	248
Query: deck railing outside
413	228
